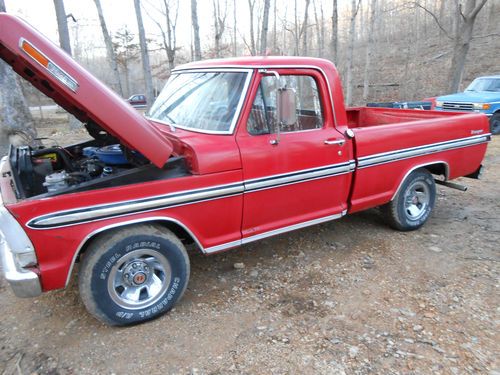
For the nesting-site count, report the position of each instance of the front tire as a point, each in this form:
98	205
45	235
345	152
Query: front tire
133	274
413	204
495	124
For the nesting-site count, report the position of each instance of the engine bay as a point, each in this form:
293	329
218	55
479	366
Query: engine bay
55	170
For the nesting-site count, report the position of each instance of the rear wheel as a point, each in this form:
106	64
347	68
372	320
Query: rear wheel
412	205
133	274
495	123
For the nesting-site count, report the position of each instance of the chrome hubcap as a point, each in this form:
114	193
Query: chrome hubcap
139	279
417	200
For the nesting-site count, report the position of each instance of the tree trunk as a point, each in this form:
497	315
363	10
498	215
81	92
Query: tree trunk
146	67
196	31
16	123
219	26
62	26
350	50
235	46
265	25
305	26
335	31
275	36
253	50
369	49
109	47
465	27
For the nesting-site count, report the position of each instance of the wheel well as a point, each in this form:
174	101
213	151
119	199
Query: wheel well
436	168
175	227
440	169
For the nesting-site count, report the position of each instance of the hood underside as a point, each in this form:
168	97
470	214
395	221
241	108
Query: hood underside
57	75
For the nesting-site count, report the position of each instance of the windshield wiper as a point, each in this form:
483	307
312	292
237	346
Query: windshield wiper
171	122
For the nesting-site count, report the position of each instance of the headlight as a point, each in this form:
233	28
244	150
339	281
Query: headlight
481	106
439	103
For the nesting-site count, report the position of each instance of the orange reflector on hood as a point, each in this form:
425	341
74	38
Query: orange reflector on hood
53	69
34	53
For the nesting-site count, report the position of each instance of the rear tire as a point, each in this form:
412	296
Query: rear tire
413	204
495	124
133	274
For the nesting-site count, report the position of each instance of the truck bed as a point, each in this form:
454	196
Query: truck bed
371	116
390	142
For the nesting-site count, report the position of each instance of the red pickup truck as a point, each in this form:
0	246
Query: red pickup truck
232	151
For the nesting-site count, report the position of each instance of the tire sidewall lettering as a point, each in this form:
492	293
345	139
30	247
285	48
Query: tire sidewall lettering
109	258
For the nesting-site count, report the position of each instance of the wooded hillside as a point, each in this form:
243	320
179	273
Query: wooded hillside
384	49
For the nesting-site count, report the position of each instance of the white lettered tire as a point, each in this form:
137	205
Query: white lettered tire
133	274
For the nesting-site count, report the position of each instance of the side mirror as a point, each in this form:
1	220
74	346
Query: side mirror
287	114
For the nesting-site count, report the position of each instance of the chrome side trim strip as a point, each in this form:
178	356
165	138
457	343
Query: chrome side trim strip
390	156
298	176
104	211
224	246
274	232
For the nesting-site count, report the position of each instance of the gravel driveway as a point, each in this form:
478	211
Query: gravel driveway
347	297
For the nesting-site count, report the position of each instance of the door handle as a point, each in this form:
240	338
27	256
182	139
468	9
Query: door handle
339	142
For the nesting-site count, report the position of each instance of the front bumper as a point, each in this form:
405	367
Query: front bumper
24	283
17	253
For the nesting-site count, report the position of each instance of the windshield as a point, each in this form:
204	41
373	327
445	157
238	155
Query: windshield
485	84
203	101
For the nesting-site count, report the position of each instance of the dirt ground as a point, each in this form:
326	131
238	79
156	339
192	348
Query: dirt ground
346	297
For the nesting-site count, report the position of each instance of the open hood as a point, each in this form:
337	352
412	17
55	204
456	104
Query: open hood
52	71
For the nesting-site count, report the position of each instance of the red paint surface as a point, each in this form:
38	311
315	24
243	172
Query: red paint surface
223	159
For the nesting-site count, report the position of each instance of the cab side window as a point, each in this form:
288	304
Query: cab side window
262	119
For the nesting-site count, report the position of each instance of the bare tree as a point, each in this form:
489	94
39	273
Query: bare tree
109	47
463	36
235	46
304	28
251	7
146	67
219	25
126	52
265	25
170	12
350	50
275	35
16	122
320	28
62	26
369	49
335	31
196	30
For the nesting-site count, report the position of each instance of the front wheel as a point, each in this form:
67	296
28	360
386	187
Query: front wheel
495	123
133	274
412	205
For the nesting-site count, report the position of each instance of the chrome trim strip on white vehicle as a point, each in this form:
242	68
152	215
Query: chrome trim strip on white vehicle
237	112
273	232
390	156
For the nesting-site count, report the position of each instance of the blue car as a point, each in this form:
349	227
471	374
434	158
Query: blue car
482	95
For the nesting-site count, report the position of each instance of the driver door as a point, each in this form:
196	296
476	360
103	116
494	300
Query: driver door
301	176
